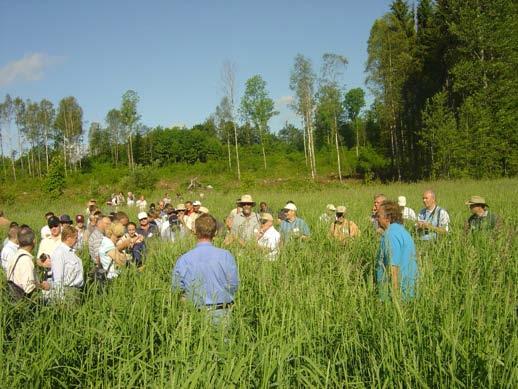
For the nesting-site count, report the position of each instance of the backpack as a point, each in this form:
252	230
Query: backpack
15	292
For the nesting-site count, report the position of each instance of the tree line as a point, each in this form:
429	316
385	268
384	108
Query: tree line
442	78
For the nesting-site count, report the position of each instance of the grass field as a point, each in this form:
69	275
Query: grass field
310	319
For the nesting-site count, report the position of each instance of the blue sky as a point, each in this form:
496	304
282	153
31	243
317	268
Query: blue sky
172	52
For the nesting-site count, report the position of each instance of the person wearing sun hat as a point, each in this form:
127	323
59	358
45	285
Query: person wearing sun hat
342	229
482	219
245	224
329	214
292	225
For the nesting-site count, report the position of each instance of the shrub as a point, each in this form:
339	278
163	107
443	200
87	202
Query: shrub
54	183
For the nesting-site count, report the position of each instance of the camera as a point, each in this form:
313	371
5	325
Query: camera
174	222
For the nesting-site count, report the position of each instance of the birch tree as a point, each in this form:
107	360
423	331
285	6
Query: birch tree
224	124
47	115
69	122
129	119
7	114
257	108
330	97
302	83
228	78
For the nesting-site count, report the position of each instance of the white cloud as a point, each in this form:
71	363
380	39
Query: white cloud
284	101
29	68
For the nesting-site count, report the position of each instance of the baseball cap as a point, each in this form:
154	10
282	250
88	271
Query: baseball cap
142	215
401	201
330	207
196	203
80	219
341	209
53	221
290	207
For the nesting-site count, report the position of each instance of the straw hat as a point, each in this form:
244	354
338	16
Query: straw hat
476	200
246	199
341	209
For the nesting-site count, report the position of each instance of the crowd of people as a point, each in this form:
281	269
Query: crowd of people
207	275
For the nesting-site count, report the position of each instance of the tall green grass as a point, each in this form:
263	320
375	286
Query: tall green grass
311	318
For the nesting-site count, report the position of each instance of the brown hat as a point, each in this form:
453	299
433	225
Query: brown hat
476	200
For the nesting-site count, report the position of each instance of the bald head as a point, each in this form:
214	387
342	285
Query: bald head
429	199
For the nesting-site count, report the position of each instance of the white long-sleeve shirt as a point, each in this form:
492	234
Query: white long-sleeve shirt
9	250
67	270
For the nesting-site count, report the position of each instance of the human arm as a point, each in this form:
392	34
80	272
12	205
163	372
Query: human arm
178	276
232	274
117	257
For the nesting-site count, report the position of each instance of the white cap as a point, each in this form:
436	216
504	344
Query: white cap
196	203
142	215
401	200
290	206
330	207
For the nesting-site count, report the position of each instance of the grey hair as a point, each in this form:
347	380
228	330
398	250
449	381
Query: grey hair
431	192
26	237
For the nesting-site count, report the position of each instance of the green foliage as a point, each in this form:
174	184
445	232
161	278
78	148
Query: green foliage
54	183
140	178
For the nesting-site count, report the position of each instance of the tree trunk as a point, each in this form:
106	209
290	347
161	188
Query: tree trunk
2	151
20	147
131	152
228	149
357	137
337	151
237	153
304	136
262	147
14	167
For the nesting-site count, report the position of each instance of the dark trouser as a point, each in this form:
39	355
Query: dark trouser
137	253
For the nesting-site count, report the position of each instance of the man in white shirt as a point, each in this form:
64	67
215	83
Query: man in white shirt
268	237
408	213
329	215
10	248
432	219
45	230
67	268
20	268
141	204
49	244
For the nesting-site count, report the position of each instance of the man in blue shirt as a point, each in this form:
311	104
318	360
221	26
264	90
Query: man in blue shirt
207	275
293	226
396	269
